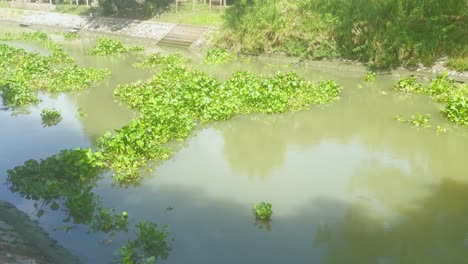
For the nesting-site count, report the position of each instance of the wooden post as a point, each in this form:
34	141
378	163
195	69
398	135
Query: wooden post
210	5
176	6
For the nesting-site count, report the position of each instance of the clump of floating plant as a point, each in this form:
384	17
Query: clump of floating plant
62	180
158	59
262	211
369	77
150	245
417	120
218	55
444	90
23	74
107	46
70	35
173	101
105	220
50	117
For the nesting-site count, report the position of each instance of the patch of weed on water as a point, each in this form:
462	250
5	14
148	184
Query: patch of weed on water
50	117
107	46
159	59
173	101
150	245
23	74
444	90
218	56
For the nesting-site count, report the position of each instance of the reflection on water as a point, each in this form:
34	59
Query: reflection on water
347	183
433	230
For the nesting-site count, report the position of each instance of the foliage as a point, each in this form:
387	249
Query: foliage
408	85
382	34
218	55
133	8
263	211
178	97
160	59
70	35
67	178
458	64
417	120
50	117
149	246
107	46
23	74
444	90
457	110
106	221
369	77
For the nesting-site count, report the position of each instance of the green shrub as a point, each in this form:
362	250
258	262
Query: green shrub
262	211
458	64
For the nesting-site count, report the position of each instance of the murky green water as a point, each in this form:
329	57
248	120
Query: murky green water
348	183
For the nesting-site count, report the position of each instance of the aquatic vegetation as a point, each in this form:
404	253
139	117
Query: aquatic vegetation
263	211
440	130
80	113
107	46
70	35
23	74
457	110
36	35
108	222
369	77
150	245
173	101
417	120
50	117
66	178
218	55
444	90
160	59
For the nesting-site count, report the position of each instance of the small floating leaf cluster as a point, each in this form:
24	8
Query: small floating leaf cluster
262	211
149	246
157	59
444	90
218	56
23	74
107	46
417	120
179	97
369	77
50	117
70	35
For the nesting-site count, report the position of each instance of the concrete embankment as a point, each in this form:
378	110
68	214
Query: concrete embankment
152	30
22	241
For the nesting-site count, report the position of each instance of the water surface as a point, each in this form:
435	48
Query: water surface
348	183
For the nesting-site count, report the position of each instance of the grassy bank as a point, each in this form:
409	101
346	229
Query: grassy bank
380	33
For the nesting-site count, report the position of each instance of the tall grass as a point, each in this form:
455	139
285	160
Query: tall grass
380	33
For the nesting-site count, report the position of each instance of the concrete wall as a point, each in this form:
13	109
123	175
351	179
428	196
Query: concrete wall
134	28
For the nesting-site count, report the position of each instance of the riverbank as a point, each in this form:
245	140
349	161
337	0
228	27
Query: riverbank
22	241
150	30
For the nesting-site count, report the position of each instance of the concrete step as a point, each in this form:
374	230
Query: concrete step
183	35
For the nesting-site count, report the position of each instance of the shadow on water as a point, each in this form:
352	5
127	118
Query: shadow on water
370	228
